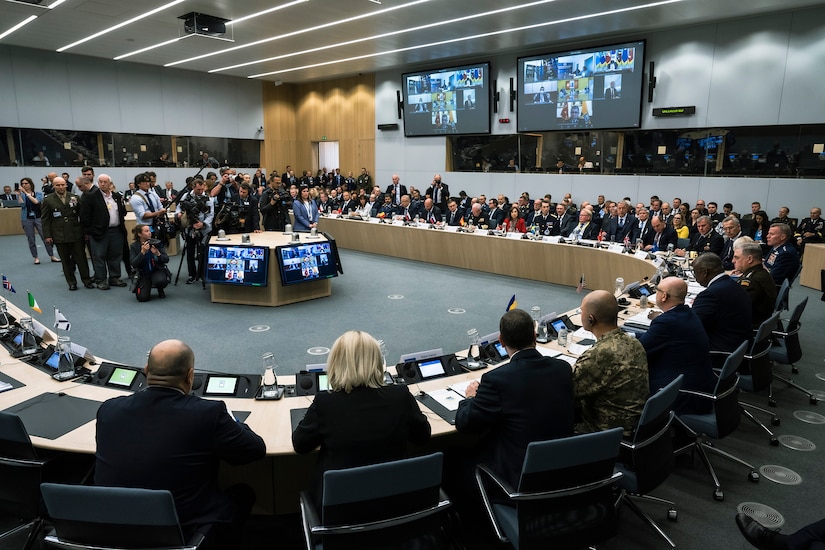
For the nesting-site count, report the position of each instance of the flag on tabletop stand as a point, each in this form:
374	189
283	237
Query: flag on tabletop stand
513	304
580	287
7	285
60	321
33	303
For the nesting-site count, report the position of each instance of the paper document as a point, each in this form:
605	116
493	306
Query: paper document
461	387
447	398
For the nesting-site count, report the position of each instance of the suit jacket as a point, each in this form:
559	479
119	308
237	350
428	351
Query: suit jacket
612	228
94	214
668	237
528	399
412	210
390	192
160	438
453	218
443	195
545	224
590	232
727	253
365	426
639	233
566	224
302	219
61	222
676	344
725	311
496	217
434	214
712	242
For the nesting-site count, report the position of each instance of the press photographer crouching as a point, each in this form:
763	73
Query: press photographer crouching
241	215
195	213
148	258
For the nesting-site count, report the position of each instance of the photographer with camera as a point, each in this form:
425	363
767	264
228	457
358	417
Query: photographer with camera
241	216
148	258
195	213
226	189
273	205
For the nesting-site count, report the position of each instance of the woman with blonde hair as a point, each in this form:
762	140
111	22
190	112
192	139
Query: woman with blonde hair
359	421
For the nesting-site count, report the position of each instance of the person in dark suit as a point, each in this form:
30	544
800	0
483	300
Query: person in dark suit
359	421
705	239
439	192
166	438
724	307
396	190
676	344
107	234
642	226
496	215
453	216
168	194
477	216
565	222
585	229
529	399
622	225
430	213
660	236
406	209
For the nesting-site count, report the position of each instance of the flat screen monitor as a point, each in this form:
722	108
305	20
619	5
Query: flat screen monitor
240	265
122	377
432	368
588	89
323	381
306	262
221	385
455	100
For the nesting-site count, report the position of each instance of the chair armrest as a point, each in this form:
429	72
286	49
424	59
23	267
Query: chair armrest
701	394
309	518
195	540
502	485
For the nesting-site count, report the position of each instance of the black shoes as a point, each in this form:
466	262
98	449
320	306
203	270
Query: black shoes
89	284
759	535
117	282
72	286
190	280
161	293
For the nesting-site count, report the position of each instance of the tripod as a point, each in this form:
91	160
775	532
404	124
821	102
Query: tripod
199	257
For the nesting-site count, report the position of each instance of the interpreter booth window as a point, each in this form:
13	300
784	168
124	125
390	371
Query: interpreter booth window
141	150
242	153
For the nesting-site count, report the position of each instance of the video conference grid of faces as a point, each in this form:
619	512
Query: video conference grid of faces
573	82
307	258
441	96
236	263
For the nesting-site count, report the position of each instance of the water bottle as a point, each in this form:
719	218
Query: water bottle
563	337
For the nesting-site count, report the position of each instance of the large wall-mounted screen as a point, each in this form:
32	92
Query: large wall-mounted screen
593	88
447	101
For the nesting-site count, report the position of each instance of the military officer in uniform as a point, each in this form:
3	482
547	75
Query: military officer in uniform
755	279
782	260
811	229
61	225
610	381
705	240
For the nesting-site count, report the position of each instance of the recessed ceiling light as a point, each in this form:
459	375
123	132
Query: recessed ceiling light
119	25
24	22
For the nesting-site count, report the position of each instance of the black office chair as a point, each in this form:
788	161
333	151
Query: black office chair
786	350
781	303
110	518
720	422
565	494
759	374
377	506
647	459
21	473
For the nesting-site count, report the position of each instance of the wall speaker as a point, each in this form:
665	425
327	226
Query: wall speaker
400	103
512	96
651	83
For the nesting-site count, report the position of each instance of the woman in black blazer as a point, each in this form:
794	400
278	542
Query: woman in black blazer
359	421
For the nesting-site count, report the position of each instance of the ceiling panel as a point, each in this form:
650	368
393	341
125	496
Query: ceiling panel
563	23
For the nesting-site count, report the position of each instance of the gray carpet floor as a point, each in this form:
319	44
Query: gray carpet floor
112	324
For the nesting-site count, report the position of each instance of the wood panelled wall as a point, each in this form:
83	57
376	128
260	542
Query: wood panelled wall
296	115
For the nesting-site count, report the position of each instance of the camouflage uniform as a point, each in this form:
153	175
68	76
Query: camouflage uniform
761	289
610	383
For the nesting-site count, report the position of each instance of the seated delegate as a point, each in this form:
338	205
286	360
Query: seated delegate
148	258
359	421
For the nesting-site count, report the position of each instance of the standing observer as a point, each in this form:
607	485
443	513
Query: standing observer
101	214
61	225
30	203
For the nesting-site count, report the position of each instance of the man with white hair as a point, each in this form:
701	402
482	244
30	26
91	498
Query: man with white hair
101	214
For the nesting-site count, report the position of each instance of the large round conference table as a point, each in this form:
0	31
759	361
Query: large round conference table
279	477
